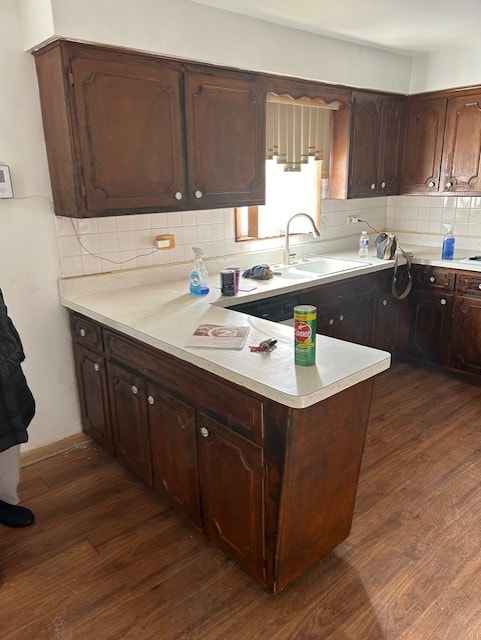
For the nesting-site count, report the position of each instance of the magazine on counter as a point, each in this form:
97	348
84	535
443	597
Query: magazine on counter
217	336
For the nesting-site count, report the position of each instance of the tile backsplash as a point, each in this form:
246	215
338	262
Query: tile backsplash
100	245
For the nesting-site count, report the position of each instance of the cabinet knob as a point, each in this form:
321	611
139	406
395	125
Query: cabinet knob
431	183
134	389
178	195
151	399
384	302
204	432
432	279
373	186
82	333
383	185
198	194
341	318
449	184
331	320
479	286
96	367
443	301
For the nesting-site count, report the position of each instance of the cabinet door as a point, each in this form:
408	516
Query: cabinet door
366	126
232	490
93	395
430	326
424	146
130	135
391	140
225	120
351	321
174	451
391	324
465	348
130	420
461	171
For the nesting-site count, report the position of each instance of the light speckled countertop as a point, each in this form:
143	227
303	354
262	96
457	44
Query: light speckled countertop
163	314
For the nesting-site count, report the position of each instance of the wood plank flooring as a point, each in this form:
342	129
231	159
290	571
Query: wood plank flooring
108	560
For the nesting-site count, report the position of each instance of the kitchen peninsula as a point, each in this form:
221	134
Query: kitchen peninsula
262	455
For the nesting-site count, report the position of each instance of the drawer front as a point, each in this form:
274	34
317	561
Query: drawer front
469	283
327	295
434	278
203	390
86	332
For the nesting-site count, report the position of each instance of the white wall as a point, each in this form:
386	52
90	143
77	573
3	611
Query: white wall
457	67
186	29
29	262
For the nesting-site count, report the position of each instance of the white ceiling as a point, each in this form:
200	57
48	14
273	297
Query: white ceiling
413	26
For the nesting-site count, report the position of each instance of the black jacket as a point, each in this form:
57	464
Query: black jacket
17	406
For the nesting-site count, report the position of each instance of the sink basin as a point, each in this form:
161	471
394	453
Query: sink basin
325	266
318	268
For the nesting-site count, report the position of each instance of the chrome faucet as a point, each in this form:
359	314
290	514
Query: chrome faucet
315	232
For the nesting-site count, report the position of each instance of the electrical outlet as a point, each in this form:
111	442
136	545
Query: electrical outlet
352	219
165	241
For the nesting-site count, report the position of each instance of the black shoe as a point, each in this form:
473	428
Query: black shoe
13	515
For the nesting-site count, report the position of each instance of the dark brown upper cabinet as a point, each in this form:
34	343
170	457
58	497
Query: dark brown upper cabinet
443	144
367	163
130	133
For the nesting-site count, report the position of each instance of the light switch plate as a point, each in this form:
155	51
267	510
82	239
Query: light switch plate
6	190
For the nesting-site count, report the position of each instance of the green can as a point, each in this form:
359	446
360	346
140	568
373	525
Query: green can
305	316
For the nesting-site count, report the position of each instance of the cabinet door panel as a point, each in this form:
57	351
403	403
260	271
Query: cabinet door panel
364	146
430	326
391	324
424	146
351	322
129	420
390	146
225	140
93	396
465	349
462	146
130	134
231	478
174	451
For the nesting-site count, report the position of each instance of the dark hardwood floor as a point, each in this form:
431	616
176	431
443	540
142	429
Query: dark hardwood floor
108	560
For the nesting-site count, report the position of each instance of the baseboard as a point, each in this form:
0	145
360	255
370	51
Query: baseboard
49	450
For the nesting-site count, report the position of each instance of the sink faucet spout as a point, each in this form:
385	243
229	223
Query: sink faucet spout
315	232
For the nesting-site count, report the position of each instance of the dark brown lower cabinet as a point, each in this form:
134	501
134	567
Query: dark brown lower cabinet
129	408
349	321
465	348
91	375
390	324
173	444
430	326
232	486
274	487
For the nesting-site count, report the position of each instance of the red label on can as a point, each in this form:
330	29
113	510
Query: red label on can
303	332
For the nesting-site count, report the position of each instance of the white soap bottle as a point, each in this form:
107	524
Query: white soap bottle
199	277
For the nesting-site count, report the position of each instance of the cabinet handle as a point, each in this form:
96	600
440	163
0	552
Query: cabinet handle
178	195
82	333
135	391
443	301
432	279
204	432
373	186
383	185
151	399
96	367
198	194
431	183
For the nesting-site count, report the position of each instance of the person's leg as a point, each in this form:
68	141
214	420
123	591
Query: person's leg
11	513
9	474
